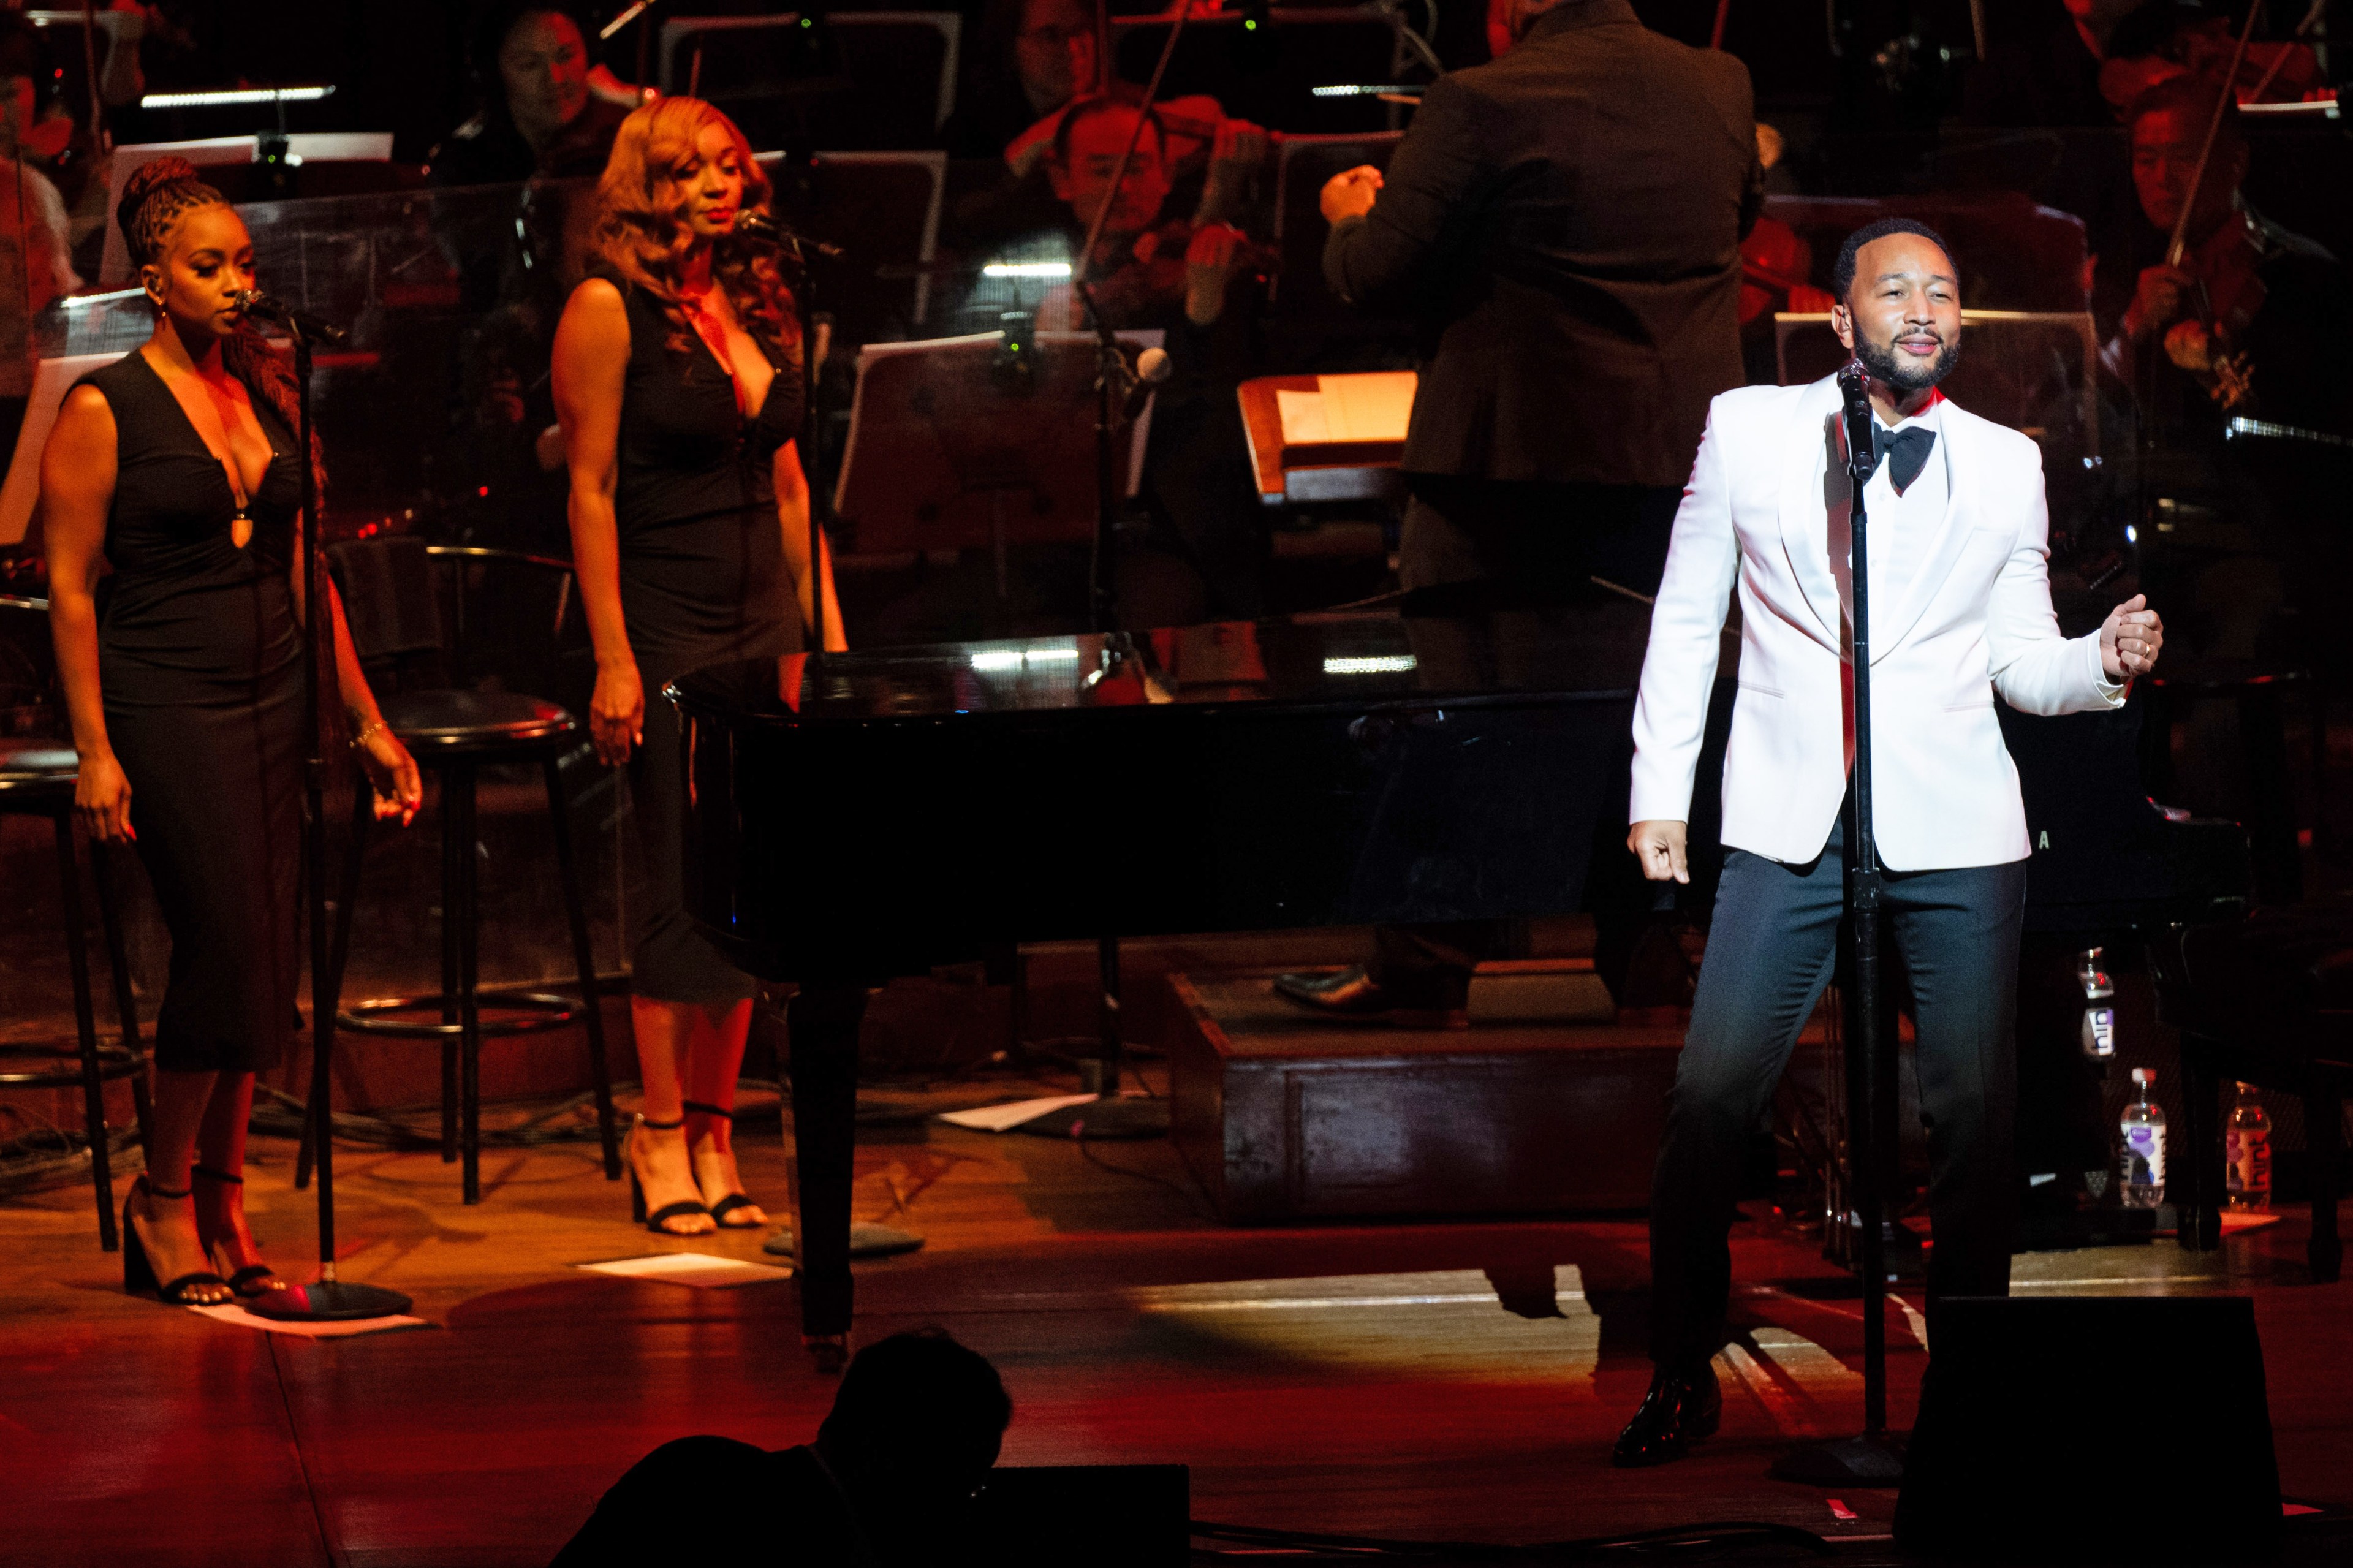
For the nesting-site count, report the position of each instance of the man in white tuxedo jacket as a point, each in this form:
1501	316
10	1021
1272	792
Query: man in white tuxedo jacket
1960	616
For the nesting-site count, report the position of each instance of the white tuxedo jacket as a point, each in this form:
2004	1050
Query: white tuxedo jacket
1974	621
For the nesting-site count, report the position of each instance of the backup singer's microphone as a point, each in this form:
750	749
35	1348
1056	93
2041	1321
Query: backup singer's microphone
271	308
1855	388
765	230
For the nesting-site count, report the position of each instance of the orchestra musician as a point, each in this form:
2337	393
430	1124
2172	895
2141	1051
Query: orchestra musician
677	387
1962	617
176	467
1160	265
1566	221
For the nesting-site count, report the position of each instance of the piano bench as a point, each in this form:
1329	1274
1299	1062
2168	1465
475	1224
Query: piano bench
2267	1001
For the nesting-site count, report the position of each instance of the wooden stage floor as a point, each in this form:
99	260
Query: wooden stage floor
1455	1380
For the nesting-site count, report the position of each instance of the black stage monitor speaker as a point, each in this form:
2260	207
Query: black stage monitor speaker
2045	1425
1083	1516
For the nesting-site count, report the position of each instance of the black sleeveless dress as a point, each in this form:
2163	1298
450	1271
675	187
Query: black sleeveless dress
703	580
200	664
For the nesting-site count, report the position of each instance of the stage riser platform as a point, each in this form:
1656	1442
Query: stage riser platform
1285	1116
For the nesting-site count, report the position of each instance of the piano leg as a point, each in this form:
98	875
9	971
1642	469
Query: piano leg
2196	1173
824	1029
2324	1141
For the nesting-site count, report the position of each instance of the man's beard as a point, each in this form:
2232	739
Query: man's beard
1883	366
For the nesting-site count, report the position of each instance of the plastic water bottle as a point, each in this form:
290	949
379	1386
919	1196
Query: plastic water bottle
2142	1163
2247	1147
2099	1022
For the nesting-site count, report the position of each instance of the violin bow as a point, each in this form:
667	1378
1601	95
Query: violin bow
2179	244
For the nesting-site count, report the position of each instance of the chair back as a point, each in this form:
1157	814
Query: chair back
393	612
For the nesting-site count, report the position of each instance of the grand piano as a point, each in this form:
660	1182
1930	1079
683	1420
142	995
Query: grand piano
861	815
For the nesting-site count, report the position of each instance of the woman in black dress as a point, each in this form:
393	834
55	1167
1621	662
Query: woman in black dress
678	384
183	678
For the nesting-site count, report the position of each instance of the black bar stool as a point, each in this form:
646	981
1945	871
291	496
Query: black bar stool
2267	1000
455	735
37	779
2261	691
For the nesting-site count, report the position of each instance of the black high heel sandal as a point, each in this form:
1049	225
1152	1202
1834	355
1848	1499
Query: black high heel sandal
139	1272
653	1222
255	1280
733	1201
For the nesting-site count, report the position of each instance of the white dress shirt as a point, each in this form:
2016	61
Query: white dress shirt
1901	524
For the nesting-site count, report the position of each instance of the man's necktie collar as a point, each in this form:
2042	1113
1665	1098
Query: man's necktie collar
1905	452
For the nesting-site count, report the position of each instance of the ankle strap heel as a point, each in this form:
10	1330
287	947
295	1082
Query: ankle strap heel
697	1107
208	1174
646	1121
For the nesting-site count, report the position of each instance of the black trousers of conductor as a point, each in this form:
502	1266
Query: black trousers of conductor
1773	946
1485	547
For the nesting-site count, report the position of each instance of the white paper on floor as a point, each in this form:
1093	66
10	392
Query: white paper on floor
1006	1117
324	1331
703	1271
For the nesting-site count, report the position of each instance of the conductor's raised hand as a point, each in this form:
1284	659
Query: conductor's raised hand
1660	848
1350	193
2130	638
392	773
102	800
616	713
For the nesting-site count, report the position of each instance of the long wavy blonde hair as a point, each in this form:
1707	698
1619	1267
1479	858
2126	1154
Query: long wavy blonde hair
642	233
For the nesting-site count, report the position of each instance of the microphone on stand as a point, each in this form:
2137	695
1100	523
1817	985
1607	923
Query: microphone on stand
1862	451
761	230
1152	367
271	308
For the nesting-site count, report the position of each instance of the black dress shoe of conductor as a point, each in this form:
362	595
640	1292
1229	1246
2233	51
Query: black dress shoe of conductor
1352	995
1682	1407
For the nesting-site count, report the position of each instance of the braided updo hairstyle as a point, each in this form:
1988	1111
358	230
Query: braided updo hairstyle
156	197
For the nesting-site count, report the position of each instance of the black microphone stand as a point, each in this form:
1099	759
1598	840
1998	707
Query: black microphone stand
327	1299
1109	1116
1875	1458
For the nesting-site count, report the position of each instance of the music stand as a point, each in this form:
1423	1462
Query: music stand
952	447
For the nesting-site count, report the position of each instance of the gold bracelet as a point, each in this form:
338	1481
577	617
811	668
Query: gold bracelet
370	728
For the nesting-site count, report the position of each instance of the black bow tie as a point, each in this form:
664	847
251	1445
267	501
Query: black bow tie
1905	452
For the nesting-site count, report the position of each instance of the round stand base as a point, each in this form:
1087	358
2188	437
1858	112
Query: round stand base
1121	1119
866	1240
328	1302
1873	1459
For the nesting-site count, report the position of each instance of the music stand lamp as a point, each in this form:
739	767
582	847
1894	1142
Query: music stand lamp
1875	1456
326	1298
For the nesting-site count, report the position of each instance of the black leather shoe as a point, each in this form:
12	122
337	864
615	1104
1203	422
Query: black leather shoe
1353	996
1680	1408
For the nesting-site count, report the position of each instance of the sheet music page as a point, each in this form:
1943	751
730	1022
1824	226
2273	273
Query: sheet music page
1305	423
1373	407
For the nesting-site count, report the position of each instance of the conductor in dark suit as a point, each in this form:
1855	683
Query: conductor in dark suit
1565	223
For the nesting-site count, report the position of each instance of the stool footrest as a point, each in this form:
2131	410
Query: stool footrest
116	1061
541	1011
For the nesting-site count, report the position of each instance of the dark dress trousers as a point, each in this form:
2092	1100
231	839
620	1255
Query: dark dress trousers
1772	949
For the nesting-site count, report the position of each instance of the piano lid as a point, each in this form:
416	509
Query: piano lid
1336	659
